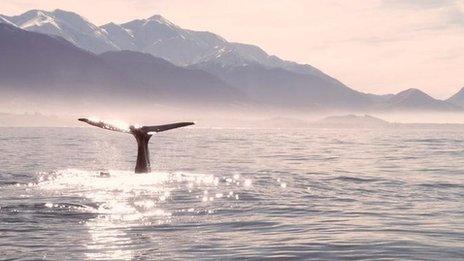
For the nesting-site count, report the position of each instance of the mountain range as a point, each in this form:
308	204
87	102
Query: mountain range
53	67
63	53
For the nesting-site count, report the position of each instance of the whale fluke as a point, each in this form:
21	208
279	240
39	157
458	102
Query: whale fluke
160	128
141	134
105	125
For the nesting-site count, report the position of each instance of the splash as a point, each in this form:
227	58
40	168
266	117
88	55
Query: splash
125	196
123	199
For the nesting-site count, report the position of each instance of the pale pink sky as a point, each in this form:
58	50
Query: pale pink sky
378	46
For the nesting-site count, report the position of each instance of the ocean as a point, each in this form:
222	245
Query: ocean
328	194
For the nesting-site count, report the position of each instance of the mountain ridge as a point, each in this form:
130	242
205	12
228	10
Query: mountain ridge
247	69
69	25
205	44
42	65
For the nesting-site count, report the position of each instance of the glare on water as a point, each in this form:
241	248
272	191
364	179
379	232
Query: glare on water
128	200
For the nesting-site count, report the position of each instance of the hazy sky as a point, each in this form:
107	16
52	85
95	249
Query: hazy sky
378	46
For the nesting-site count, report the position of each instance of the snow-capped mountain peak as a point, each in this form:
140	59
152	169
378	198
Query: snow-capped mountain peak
119	36
34	19
155	35
161	20
74	21
68	25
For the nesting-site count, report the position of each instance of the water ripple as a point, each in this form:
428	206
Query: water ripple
233	194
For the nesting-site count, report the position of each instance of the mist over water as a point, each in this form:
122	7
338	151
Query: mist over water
233	193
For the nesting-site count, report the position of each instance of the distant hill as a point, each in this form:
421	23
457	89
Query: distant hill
414	99
458	98
352	121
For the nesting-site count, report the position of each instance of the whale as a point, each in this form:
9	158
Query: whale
142	136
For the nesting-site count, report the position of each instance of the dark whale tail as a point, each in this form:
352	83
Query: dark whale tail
141	134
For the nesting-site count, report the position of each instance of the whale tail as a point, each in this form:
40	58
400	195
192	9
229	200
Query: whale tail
141	134
129	128
165	127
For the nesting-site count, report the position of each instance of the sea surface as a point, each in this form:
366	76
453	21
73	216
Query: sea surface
232	194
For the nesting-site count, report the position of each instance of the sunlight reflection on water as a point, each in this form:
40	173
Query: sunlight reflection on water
125	199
